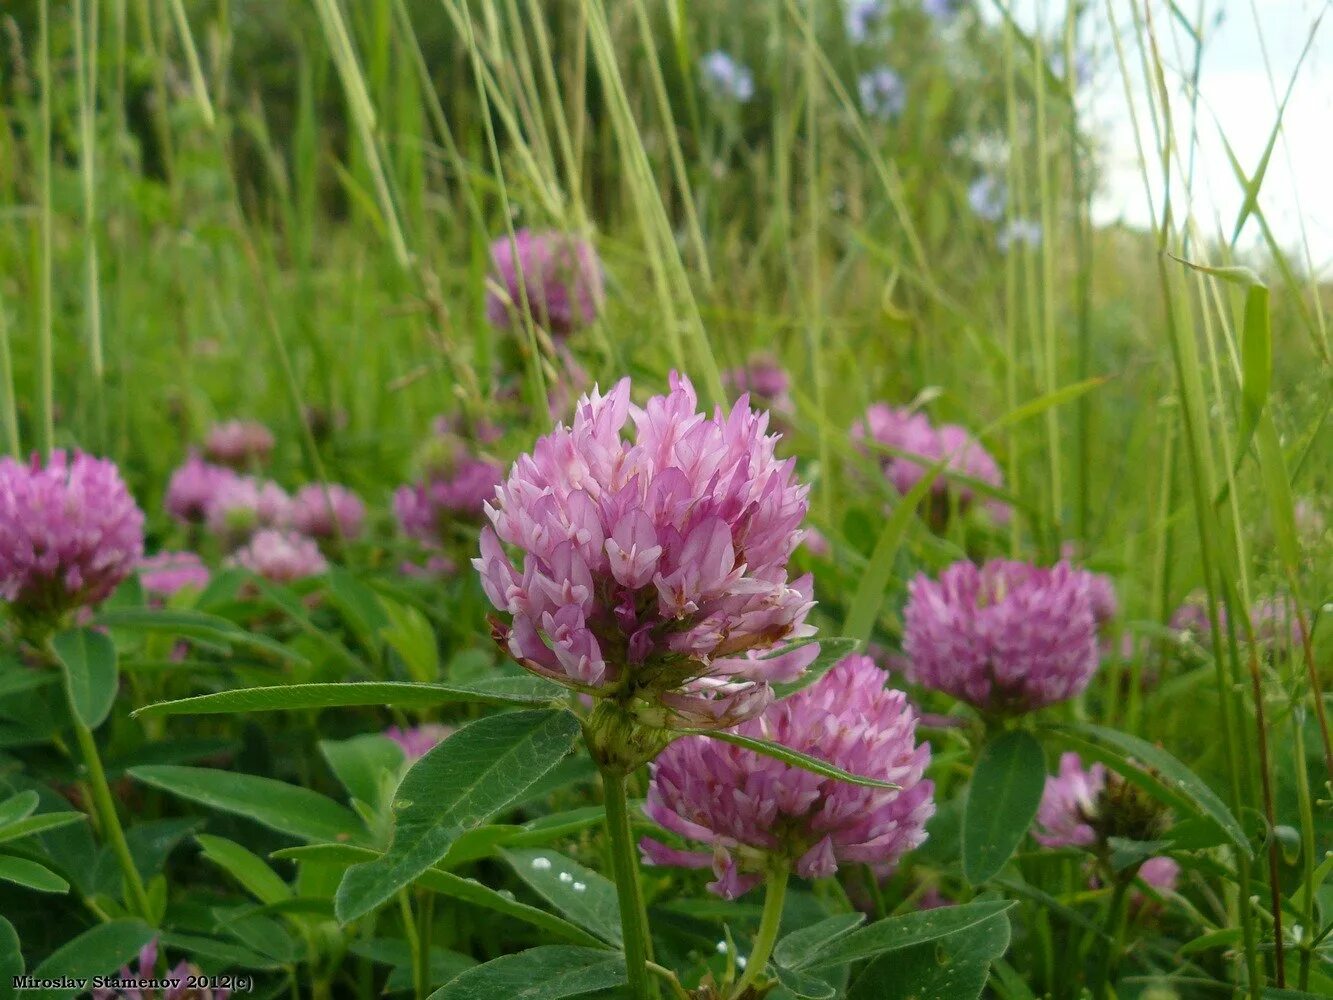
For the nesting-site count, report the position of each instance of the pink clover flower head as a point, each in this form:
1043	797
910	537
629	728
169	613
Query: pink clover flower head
647	569
558	274
239	443
765	380
1006	636
426	509
750	810
245	503
417	741
328	511
70	532
147	970
167	573
281	556
193	487
1069	804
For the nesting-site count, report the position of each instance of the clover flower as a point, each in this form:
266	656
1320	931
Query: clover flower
194	487
426	510
753	811
765	380
166	573
147	970
70	532
648	571
1006	637
244	504
1068	803
558	275
239	444
327	510
281	556
417	741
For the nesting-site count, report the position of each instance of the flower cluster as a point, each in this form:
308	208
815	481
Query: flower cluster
754	811
417	741
1005	636
765	380
915	444
240	444
327	511
70	532
557	275
180	975
168	573
281	556
652	567
1274	621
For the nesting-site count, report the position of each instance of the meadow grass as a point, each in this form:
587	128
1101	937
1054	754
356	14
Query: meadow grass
283	211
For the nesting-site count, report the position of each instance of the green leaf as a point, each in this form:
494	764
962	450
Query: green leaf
551	972
869	596
98	951
89	661
906	931
30	874
245	867
231	956
458	785
806	986
582	895
11	959
788	756
286	808
1002	801
362	762
18	807
359	606
1277	493
195	625
292	697
830	652
471	891
953	968
38	824
412	638
1154	770
444	964
793	949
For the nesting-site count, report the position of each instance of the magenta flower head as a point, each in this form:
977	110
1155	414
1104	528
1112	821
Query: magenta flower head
193	487
1160	873
244	504
239	443
426	510
765	380
1069	804
69	533
754	812
913	445
648	571
557	274
147	970
327	511
168	573
417	741
1008	637
281	556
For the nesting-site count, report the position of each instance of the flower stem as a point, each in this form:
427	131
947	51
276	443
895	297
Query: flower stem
774	895
105	809
1115	929
633	915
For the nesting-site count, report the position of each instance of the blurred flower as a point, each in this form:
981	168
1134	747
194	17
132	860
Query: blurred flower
417	741
988	197
243	504
166	573
557	274
147	970
1006	636
647	570
765	380
942	10
425	510
932	899
1273	619
726	76
753	810
1309	519
1082	67
861	17
1017	231
1068	803
69	533
193	487
1161	873
883	94
281	556
816	543
239	443
323	510
922	445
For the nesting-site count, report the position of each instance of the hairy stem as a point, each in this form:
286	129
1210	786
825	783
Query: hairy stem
625	867
774	895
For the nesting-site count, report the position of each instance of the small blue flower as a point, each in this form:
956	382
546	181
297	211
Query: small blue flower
942	10
727	76
883	94
1019	231
987	196
861	16
1082	67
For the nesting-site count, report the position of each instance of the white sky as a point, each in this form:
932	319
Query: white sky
1239	97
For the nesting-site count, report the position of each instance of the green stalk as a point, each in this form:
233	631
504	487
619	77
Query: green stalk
45	353
774	895
1115	929
421	969
625	868
105	809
